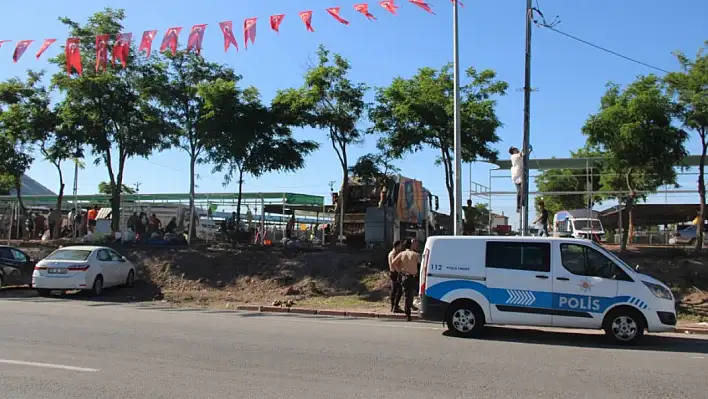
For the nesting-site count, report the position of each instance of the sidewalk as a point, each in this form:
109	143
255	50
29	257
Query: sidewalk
688	328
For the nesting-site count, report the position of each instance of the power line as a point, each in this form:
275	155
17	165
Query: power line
543	23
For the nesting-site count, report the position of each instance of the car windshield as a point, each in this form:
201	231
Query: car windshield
69	254
583	224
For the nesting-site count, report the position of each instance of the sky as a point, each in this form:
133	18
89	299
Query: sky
569	77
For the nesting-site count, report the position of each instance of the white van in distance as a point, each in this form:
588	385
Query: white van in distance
470	281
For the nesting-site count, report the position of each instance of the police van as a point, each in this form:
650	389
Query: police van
470	281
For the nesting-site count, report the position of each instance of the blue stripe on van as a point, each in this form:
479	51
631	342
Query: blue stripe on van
533	299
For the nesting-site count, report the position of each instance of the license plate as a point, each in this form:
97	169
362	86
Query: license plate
56	271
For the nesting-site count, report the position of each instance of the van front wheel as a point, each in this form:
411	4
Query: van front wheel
465	319
624	326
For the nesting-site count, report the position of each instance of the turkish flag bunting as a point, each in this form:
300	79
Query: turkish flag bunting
169	41
102	51
249	30
275	21
422	4
45	46
334	12
196	37
227	29
458	2
306	17
73	55
20	49
364	9
390	6
4	41
146	42
121	48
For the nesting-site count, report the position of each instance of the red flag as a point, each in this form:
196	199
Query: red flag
227	29
364	9
196	37
146	41
20	49
73	55
422	4
4	41
170	39
45	45
458	2
306	17
121	48
334	12
390	6
249	30
101	51
275	21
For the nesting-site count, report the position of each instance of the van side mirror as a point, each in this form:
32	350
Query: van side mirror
124	259
637	268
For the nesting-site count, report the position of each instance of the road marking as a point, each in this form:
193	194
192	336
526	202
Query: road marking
47	365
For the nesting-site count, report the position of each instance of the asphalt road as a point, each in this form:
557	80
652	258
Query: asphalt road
54	348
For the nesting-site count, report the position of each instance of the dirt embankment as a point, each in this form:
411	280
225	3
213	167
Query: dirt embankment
221	276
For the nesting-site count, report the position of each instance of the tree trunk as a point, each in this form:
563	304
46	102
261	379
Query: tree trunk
701	193
192	194
18	193
447	163
625	233
238	201
60	199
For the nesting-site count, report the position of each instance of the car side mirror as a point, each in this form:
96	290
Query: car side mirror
124	259
637	268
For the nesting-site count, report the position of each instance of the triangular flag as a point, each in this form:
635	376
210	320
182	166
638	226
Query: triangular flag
334	12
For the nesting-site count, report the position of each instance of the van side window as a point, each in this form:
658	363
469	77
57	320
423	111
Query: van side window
519	256
585	261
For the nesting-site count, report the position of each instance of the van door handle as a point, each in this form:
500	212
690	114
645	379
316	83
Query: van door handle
542	277
563	278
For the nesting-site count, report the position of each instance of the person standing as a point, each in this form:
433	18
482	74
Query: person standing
406	263
92	215
543	219
396	287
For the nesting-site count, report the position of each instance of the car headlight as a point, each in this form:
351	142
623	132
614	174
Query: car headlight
659	291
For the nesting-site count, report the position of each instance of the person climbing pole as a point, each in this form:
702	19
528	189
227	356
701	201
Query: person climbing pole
517	173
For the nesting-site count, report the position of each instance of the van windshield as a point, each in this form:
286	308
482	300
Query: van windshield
613	257
587	224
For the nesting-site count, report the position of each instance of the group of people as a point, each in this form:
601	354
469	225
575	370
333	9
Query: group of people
145	226
403	263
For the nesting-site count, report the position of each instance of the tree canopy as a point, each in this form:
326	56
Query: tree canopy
419	112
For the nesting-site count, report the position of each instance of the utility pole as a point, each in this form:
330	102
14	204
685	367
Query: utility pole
457	212
527	122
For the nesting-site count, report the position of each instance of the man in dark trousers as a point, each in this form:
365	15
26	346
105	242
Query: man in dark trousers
396	287
406	263
543	219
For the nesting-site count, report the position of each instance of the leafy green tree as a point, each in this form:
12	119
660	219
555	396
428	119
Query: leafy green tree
105	189
181	77
111	111
641	147
690	88
249	137
25	117
569	180
418	112
328	100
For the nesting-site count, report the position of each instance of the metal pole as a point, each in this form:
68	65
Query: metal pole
527	121
457	212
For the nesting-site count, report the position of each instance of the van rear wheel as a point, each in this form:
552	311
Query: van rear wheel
465	319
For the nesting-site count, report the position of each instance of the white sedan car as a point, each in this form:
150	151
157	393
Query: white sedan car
87	268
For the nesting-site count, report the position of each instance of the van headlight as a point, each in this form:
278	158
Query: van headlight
659	291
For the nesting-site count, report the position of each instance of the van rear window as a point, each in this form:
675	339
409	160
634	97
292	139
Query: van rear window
519	256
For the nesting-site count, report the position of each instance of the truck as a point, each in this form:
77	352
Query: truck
578	223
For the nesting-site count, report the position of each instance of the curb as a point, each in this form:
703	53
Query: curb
340	313
691	330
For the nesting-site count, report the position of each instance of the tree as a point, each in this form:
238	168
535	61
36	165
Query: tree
418	112
249	138
25	116
328	100
178	92
111	111
690	88
570	180
105	189
633	130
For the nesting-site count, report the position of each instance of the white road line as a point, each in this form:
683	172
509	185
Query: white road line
47	365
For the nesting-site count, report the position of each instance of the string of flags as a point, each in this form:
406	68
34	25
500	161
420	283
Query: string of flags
122	41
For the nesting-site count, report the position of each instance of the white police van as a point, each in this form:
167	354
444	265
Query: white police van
470	281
